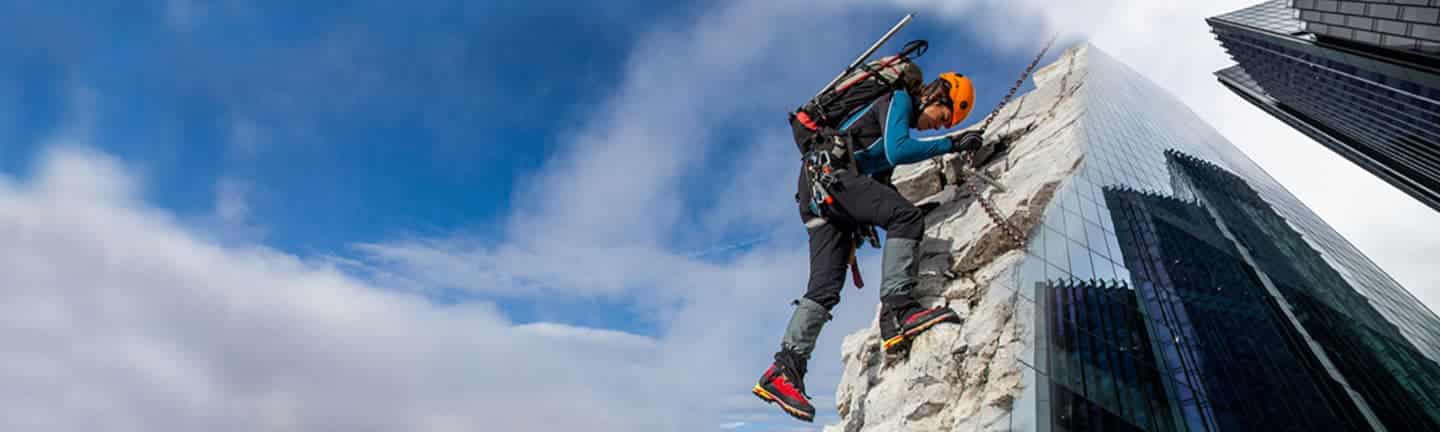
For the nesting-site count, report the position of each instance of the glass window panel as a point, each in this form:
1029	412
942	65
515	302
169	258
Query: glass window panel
1055	217
1104	269
1080	261
1075	227
1071	196
1032	271
1112	243
1023	417
1085	188
1095	212
1055	273
1036	244
1087	211
1056	249
1104	219
1095	238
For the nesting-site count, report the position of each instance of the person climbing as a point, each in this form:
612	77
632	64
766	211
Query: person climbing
844	188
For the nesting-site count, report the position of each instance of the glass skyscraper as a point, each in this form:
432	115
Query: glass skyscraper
1360	77
1173	285
1409	25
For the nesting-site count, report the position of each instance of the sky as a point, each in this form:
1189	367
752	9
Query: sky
249	215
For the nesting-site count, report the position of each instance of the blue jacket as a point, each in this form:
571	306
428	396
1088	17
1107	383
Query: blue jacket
882	132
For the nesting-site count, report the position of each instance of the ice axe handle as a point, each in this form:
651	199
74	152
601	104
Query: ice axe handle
866	55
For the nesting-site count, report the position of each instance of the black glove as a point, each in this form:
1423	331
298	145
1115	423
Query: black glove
967	141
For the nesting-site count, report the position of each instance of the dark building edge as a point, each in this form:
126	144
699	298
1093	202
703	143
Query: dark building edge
1326	137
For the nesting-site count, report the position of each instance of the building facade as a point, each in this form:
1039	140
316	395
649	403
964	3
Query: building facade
1361	78
1177	287
1165	283
1408	25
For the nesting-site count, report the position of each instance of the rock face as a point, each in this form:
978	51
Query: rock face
967	376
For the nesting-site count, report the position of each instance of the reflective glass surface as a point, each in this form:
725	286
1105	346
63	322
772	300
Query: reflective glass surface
1382	115
1401	24
1174	286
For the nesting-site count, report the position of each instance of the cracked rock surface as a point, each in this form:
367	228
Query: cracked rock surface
966	376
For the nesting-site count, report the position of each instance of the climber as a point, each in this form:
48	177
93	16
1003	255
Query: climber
851	165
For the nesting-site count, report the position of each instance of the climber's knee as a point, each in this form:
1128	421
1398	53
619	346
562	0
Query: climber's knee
908	222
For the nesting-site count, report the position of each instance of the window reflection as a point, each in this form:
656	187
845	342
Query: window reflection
1163	292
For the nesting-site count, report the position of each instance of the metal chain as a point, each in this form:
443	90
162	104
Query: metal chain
1006	227
1019	82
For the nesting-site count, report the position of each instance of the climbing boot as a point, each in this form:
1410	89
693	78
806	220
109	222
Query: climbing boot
784	384
901	322
898	268
921	320
891	339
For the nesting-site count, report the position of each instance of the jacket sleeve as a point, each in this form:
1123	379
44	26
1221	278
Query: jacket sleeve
901	147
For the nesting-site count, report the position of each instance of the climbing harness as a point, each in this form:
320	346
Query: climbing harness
830	154
1013	233
820	170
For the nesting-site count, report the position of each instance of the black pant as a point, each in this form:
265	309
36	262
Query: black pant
859	200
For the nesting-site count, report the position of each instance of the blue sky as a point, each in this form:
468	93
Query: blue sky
433	215
361	121
334	124
349	120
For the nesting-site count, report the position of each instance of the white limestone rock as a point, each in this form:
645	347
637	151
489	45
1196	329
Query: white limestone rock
966	376
918	180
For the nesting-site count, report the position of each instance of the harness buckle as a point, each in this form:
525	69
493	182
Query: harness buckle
819	167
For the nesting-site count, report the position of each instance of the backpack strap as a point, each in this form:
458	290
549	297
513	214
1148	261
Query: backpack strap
804	119
876	75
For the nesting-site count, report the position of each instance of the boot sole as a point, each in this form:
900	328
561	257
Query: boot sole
767	397
894	343
903	337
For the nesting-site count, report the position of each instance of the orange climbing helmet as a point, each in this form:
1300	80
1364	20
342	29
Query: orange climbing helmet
954	90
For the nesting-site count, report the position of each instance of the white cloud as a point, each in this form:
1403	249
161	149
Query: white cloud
231	220
732	425
582	335
117	318
1001	21
231	203
600	217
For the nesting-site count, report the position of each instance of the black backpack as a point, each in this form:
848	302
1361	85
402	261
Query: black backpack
856	91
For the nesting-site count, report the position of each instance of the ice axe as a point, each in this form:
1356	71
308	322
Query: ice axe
967	171
917	46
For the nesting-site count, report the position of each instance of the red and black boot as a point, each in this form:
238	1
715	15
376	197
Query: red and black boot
900	325
784	385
